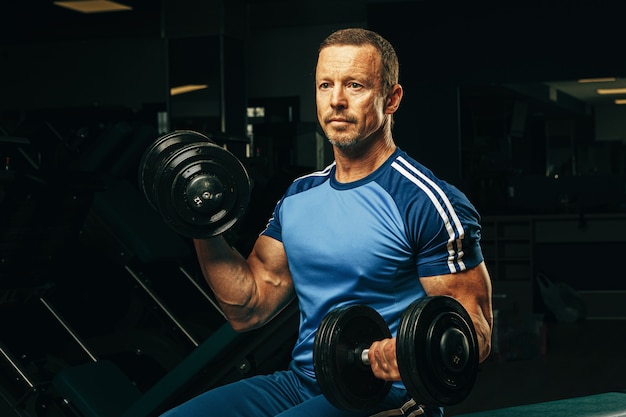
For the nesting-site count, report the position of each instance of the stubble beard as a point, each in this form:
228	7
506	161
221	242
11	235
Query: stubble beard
343	138
346	143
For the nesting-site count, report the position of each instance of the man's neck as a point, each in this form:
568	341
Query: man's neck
352	165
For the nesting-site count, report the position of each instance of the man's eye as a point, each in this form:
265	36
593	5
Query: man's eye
355	85
324	85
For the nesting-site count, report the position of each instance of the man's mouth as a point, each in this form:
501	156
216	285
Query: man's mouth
338	120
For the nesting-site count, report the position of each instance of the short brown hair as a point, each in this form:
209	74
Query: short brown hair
359	36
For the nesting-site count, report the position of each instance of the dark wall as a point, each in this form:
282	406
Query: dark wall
492	41
444	46
119	72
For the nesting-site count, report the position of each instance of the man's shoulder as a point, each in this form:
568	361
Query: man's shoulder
309	181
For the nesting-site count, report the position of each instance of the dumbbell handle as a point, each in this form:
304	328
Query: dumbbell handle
362	355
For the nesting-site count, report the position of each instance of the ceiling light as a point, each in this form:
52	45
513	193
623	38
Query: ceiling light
93	6
187	88
611	91
620	101
597	80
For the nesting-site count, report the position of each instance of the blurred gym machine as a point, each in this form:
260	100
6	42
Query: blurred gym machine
118	321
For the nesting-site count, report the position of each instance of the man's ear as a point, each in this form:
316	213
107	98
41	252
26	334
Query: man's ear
393	99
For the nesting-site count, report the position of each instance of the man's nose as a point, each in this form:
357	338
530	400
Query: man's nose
338	98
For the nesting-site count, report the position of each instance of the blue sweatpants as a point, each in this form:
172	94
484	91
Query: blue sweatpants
287	393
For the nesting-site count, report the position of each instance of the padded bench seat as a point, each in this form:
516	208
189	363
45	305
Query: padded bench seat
610	404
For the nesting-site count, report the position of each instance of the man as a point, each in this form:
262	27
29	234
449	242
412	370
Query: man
375	228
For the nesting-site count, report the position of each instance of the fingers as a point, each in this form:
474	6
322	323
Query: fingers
382	357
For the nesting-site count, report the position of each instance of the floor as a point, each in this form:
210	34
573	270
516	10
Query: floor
573	360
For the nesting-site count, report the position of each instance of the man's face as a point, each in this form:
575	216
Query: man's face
349	99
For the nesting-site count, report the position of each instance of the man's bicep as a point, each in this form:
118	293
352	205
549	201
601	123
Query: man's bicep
471	287
269	265
269	254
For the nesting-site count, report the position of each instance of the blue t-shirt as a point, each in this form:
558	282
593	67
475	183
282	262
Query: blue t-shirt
368	241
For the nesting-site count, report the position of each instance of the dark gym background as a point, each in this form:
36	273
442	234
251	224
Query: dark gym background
102	309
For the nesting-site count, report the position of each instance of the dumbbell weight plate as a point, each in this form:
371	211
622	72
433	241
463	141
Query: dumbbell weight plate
199	188
159	150
437	351
203	190
345	381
